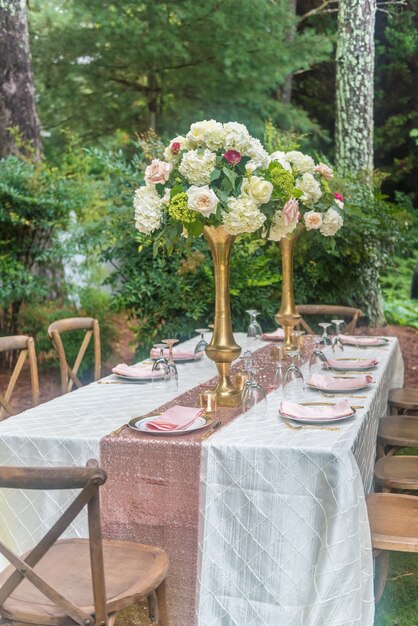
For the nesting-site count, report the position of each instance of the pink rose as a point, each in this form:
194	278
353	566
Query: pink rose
175	147
324	170
157	172
232	156
290	212
339	197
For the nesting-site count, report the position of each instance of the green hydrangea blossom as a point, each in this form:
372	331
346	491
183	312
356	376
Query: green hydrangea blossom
178	209
282	180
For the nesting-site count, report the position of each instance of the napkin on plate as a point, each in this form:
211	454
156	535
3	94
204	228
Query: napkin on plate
276	335
322	381
299	411
177	354
358	364
137	371
176	418
359	341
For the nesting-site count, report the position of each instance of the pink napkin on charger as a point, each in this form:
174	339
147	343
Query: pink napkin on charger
358	364
177	354
136	371
276	335
176	418
359	341
299	411
322	381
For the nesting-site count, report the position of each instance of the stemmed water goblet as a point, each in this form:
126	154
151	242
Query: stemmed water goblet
325	339
171	376
293	381
161	363
317	361
298	334
202	343
277	354
254	398
337	341
254	329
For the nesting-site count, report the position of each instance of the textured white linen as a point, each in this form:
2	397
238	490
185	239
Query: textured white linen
284	536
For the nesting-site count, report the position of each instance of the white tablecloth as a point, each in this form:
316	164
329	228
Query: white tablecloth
284	532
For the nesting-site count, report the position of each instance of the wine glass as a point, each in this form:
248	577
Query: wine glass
337	344
325	338
202	343
277	354
160	364
298	334
172	376
254	399
293	381
317	360
254	329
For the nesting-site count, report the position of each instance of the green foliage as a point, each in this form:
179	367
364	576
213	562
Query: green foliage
399	605
399	307
132	63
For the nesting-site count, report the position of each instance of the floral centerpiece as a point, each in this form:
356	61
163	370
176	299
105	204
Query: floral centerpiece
219	181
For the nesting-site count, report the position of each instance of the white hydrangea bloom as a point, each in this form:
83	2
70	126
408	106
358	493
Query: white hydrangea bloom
280	157
171	156
208	133
301	162
331	223
278	228
310	187
259	156
197	166
148	213
244	216
237	137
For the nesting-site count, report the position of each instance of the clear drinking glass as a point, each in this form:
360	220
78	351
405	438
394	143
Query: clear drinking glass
202	343
293	381
277	354
318	360
172	376
325	338
337	345
298	334
254	329
254	399
160	363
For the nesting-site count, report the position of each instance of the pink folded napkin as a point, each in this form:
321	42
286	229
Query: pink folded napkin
176	418
177	354
322	381
136	371
359	364
277	335
299	411
359	341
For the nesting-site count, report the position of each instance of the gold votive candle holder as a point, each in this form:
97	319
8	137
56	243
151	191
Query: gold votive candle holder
207	401
240	380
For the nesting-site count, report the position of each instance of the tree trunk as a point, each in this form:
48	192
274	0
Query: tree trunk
17	91
355	88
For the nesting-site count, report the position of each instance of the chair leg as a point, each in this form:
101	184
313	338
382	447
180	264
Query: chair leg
381	567
162	604
153	609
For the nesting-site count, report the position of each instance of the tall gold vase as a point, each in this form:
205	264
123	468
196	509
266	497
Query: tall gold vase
222	349
287	315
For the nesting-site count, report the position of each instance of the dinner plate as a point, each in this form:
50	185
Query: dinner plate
350	369
140	425
317	420
272	338
325	390
382	342
177	359
139	379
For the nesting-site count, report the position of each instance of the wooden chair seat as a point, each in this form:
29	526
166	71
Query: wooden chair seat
398	430
393	521
403	399
397	472
132	571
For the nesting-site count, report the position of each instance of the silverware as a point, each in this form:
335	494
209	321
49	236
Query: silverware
300	427
211	430
333	395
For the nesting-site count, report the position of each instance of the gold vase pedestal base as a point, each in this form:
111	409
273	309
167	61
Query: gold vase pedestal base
288	323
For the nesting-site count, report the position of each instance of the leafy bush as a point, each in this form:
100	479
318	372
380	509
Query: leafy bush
399	307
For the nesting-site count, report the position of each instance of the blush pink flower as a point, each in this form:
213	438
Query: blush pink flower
290	212
232	156
158	172
324	170
175	147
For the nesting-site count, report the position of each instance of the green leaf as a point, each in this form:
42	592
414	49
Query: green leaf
215	175
231	176
176	190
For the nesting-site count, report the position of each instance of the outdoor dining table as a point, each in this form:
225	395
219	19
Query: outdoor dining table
264	524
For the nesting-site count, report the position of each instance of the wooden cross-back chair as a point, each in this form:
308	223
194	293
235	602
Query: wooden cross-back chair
77	581
26	346
345	312
69	374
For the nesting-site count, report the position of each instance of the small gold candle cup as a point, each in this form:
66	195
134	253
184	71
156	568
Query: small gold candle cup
207	400
240	380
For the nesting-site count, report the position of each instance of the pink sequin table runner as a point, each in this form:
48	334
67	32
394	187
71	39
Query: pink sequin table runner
152	491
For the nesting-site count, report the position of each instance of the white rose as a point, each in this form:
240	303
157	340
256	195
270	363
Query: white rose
158	172
310	187
313	220
331	223
279	229
197	166
148	213
301	162
280	157
257	188
244	216
202	199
